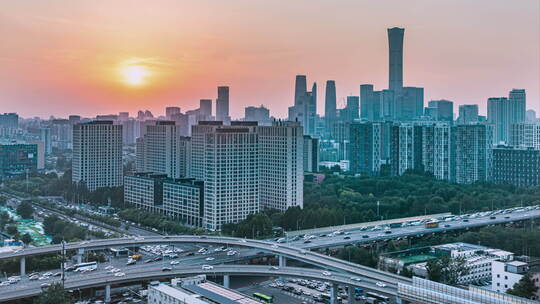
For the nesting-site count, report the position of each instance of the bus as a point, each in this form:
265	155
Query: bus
84	266
263	297
377	296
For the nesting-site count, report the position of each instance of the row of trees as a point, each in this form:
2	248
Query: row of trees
345	200
156	221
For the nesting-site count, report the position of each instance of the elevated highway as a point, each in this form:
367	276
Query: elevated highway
103	279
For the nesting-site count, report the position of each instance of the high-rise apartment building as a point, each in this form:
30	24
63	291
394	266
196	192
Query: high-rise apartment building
45	136
222	105
503	112
474	153
516	166
438	150
311	154
468	114
97	154
525	134
226	159
165	150
366	147
281	167
406	148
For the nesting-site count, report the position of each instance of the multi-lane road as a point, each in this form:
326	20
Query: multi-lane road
358	236
293	249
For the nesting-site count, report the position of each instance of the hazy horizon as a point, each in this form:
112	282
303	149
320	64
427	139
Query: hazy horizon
60	58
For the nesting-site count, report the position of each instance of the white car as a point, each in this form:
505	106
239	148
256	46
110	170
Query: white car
356	279
230	253
207	267
274	246
109	267
175	262
380	284
119	274
210	259
326	273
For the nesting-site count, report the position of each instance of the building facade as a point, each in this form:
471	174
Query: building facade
97	154
516	166
474	154
226	158
281	165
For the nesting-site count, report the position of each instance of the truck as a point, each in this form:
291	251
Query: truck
432	224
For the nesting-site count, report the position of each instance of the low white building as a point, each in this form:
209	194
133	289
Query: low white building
505	274
195	290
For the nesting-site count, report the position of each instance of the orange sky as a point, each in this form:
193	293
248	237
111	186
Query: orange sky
62	57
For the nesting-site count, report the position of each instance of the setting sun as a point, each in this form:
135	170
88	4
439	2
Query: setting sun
134	75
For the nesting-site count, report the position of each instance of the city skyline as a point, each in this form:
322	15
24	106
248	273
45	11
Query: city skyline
91	65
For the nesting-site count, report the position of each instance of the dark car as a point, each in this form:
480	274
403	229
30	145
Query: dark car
307	241
466	220
365	236
347	238
388	231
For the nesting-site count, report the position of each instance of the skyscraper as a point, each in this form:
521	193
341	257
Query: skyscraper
517	98
171	111
97	154
205	108
304	109
474	153
443	110
45	136
499	115
222	104
300	88
366	101
330	103
468	114
226	159
281	165
259	114
410	103
395	47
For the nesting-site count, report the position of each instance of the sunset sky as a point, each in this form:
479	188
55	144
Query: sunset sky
101	57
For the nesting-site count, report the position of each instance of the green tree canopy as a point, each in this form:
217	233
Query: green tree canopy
25	210
524	288
55	294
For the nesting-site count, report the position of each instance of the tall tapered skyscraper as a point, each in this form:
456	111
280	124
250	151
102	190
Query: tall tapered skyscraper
330	102
395	46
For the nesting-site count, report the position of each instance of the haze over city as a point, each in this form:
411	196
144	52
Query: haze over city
91	58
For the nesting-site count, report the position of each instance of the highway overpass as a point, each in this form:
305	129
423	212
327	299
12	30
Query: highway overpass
105	279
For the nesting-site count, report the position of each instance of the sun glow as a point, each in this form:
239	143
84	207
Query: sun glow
134	75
